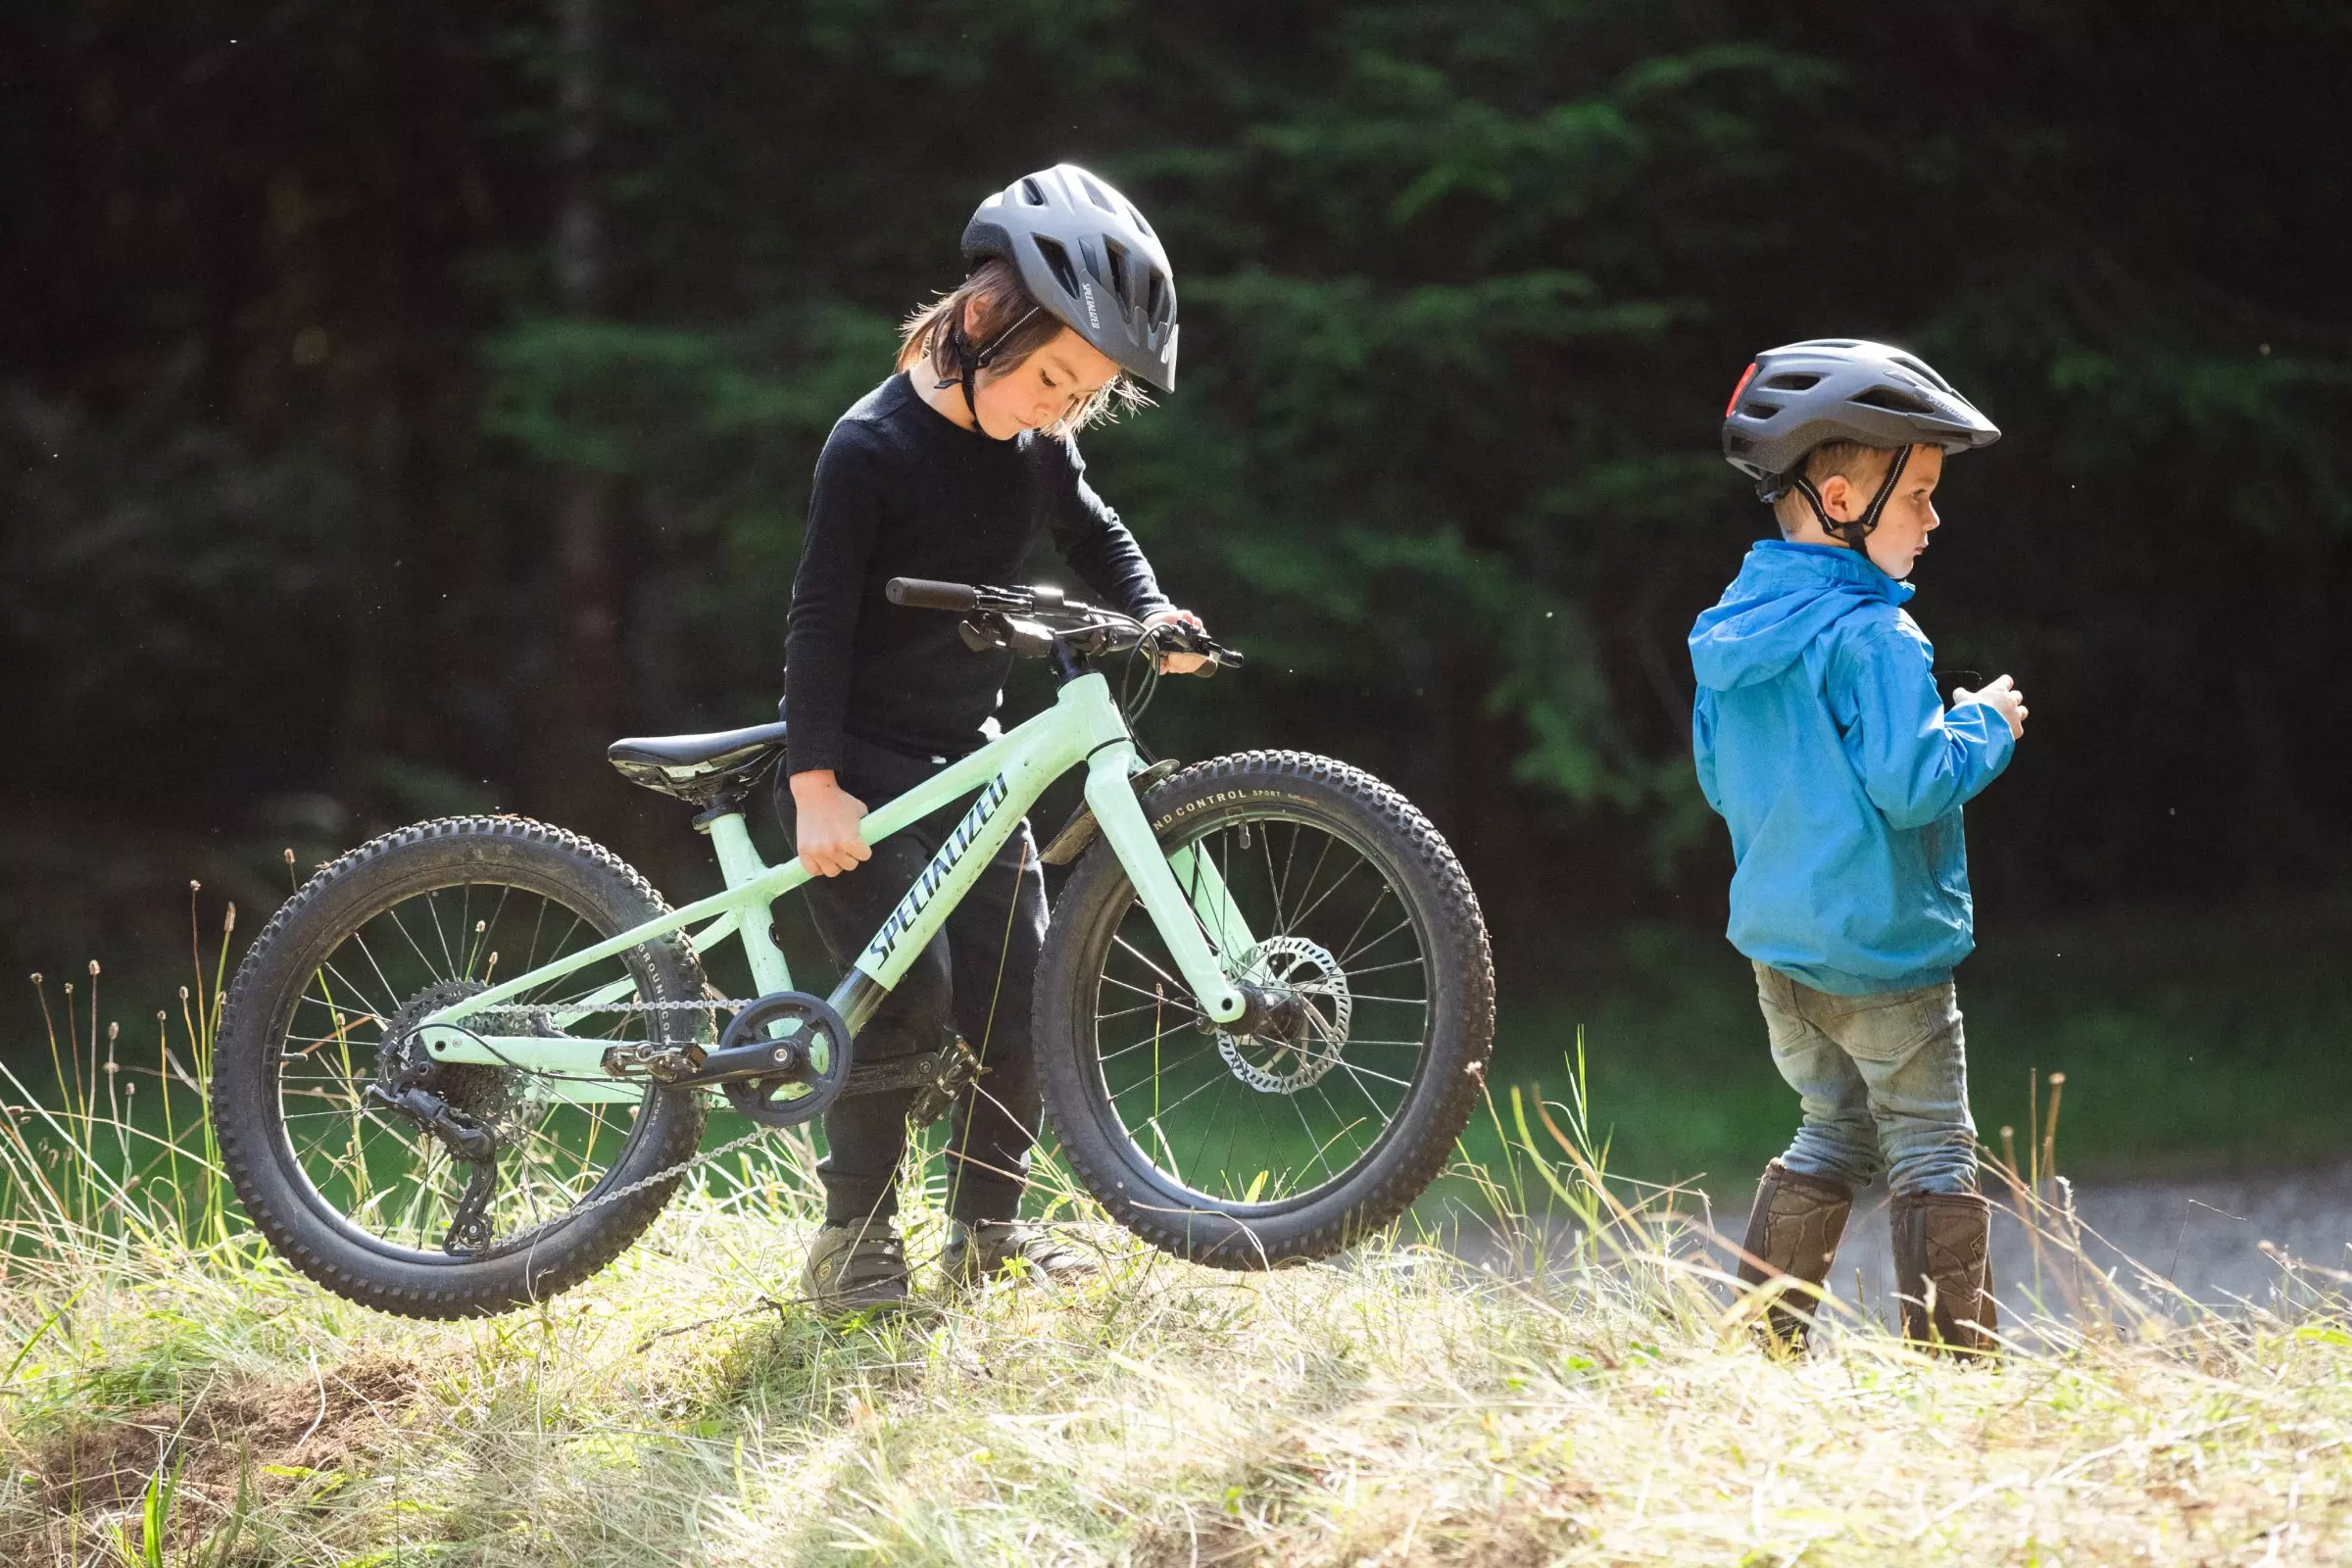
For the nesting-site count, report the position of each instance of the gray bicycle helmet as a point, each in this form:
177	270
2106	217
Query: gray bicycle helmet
1796	397
1090	259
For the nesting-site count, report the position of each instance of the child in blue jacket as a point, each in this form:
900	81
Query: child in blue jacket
1821	739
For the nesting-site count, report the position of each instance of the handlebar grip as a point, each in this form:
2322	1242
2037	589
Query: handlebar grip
1176	637
917	593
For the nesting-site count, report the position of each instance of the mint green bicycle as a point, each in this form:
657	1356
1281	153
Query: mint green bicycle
466	1064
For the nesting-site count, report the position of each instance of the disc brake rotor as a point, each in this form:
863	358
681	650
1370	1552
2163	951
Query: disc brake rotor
1321	1006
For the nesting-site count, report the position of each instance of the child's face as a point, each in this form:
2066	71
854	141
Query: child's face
1044	389
1909	515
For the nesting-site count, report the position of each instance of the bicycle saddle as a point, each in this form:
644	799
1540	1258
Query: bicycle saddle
698	752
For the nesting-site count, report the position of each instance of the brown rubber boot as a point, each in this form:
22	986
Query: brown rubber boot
1943	1271
1794	1230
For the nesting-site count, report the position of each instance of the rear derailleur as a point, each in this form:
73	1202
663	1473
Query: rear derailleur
469	1141
411	1085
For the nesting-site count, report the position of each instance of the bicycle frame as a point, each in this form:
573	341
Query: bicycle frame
1183	895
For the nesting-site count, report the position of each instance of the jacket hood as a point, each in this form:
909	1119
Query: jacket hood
1786	596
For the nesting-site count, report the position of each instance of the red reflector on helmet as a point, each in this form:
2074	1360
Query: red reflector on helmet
1748	375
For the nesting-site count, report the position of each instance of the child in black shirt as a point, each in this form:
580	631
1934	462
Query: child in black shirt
953	470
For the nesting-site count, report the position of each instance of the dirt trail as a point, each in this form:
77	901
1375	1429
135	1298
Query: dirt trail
2204	1235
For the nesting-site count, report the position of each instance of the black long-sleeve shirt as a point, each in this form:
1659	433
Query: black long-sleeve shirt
902	491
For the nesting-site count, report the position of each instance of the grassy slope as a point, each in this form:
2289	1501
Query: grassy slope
1391	1409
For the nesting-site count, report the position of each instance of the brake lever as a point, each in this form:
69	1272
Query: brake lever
1179	637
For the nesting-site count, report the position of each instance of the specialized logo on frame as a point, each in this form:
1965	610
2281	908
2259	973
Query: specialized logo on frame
935	876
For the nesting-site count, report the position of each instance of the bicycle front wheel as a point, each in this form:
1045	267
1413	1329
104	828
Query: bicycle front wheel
1322	1116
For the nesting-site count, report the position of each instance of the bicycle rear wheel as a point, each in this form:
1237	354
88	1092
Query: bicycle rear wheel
1322	1117
364	1199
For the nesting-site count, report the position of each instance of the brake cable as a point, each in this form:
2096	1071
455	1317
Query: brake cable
1141	647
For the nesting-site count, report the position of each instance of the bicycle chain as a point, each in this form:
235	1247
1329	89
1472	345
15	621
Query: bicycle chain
696	1005
679	1169
684	1166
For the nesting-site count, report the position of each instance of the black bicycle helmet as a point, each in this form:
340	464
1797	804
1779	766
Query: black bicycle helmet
1796	397
1090	259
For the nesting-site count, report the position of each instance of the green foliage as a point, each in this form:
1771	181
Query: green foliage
1464	284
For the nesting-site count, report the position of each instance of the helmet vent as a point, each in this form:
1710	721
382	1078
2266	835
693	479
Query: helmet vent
1116	254
1058	262
1033	193
1920	369
1759	409
1893	399
1099	196
1142	222
1792	381
1154	294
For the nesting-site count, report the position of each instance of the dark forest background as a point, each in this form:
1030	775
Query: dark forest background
399	401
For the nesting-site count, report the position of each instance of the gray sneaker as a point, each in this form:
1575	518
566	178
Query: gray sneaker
855	1268
1016	1248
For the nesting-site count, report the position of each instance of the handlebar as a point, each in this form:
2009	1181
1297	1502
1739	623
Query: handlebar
920	593
1015	618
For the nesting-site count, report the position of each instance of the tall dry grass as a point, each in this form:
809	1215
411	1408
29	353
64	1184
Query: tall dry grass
173	1394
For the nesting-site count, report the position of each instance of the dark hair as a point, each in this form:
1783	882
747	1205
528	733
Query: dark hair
993	301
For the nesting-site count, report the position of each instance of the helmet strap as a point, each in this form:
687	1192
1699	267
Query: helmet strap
970	361
1852	534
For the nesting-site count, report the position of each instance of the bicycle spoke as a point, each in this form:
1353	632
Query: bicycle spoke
1156	996
1292	924
1324	896
1348	946
1401	925
382	1171
1265	842
1321	1158
1148	964
1113	1055
1355	973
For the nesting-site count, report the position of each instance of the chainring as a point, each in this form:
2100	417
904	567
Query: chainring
804	1091
1317	985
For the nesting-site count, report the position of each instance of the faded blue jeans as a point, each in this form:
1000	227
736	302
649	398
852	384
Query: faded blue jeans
1883	1079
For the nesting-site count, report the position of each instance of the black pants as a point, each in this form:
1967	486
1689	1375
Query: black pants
976	977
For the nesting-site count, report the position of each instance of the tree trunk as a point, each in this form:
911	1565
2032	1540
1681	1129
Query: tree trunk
585	676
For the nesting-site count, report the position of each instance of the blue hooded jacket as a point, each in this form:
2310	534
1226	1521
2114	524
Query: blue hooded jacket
1822	740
